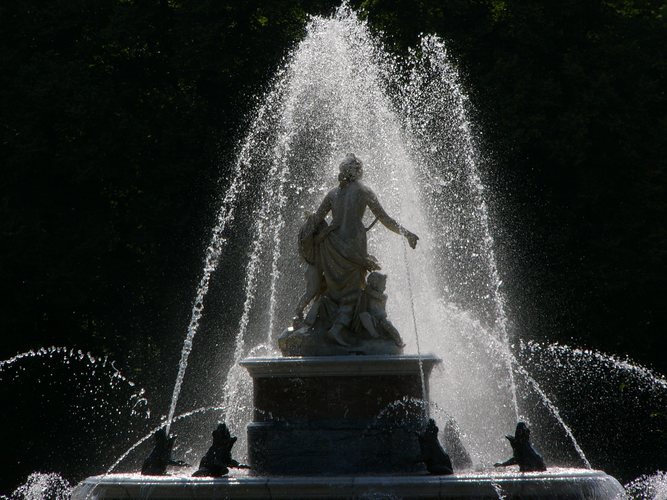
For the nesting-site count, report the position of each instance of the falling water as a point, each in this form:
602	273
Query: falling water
246	161
414	323
40	486
336	94
441	136
340	92
648	487
93	367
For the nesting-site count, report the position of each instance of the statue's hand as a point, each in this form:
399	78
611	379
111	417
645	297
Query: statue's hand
412	239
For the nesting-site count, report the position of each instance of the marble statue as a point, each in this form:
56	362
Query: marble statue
347	312
524	455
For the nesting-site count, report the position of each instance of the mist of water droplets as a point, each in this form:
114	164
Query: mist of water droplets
648	487
340	92
408	120
86	371
41	486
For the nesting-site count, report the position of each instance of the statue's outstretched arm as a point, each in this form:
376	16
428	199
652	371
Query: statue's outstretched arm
388	221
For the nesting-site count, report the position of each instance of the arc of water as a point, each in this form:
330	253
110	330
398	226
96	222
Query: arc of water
224	218
610	360
93	362
279	223
211	260
553	409
50	351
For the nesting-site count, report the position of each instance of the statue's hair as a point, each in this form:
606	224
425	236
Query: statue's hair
350	169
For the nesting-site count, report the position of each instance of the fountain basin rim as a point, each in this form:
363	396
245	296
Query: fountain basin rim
480	485
339	366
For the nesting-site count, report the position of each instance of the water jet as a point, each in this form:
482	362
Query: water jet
310	423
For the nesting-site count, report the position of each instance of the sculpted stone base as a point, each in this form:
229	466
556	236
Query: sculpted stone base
337	414
307	341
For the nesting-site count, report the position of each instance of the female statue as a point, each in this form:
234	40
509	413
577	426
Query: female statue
341	255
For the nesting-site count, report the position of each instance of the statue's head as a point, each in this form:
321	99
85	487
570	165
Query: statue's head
431	428
222	436
522	432
377	281
160	436
351	169
162	440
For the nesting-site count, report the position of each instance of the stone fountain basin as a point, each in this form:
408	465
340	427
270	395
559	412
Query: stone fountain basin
557	483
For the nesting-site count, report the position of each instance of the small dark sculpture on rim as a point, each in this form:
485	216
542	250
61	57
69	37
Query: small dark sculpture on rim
219	456
433	454
525	455
160	458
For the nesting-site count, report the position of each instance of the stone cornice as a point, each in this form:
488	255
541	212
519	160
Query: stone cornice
344	366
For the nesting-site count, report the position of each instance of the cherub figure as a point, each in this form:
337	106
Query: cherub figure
373	306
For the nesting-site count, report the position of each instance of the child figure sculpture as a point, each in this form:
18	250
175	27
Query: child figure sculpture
374	302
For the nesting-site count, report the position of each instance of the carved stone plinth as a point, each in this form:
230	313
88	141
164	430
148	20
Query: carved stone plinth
337	414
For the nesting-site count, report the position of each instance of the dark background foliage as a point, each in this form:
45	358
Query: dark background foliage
119	120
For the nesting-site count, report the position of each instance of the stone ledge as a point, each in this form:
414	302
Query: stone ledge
559	484
339	366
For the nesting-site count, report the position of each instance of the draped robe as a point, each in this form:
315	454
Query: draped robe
343	255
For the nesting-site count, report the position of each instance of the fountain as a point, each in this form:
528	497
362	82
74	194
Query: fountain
340	417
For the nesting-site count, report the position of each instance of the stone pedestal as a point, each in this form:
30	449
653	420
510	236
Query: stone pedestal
337	414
